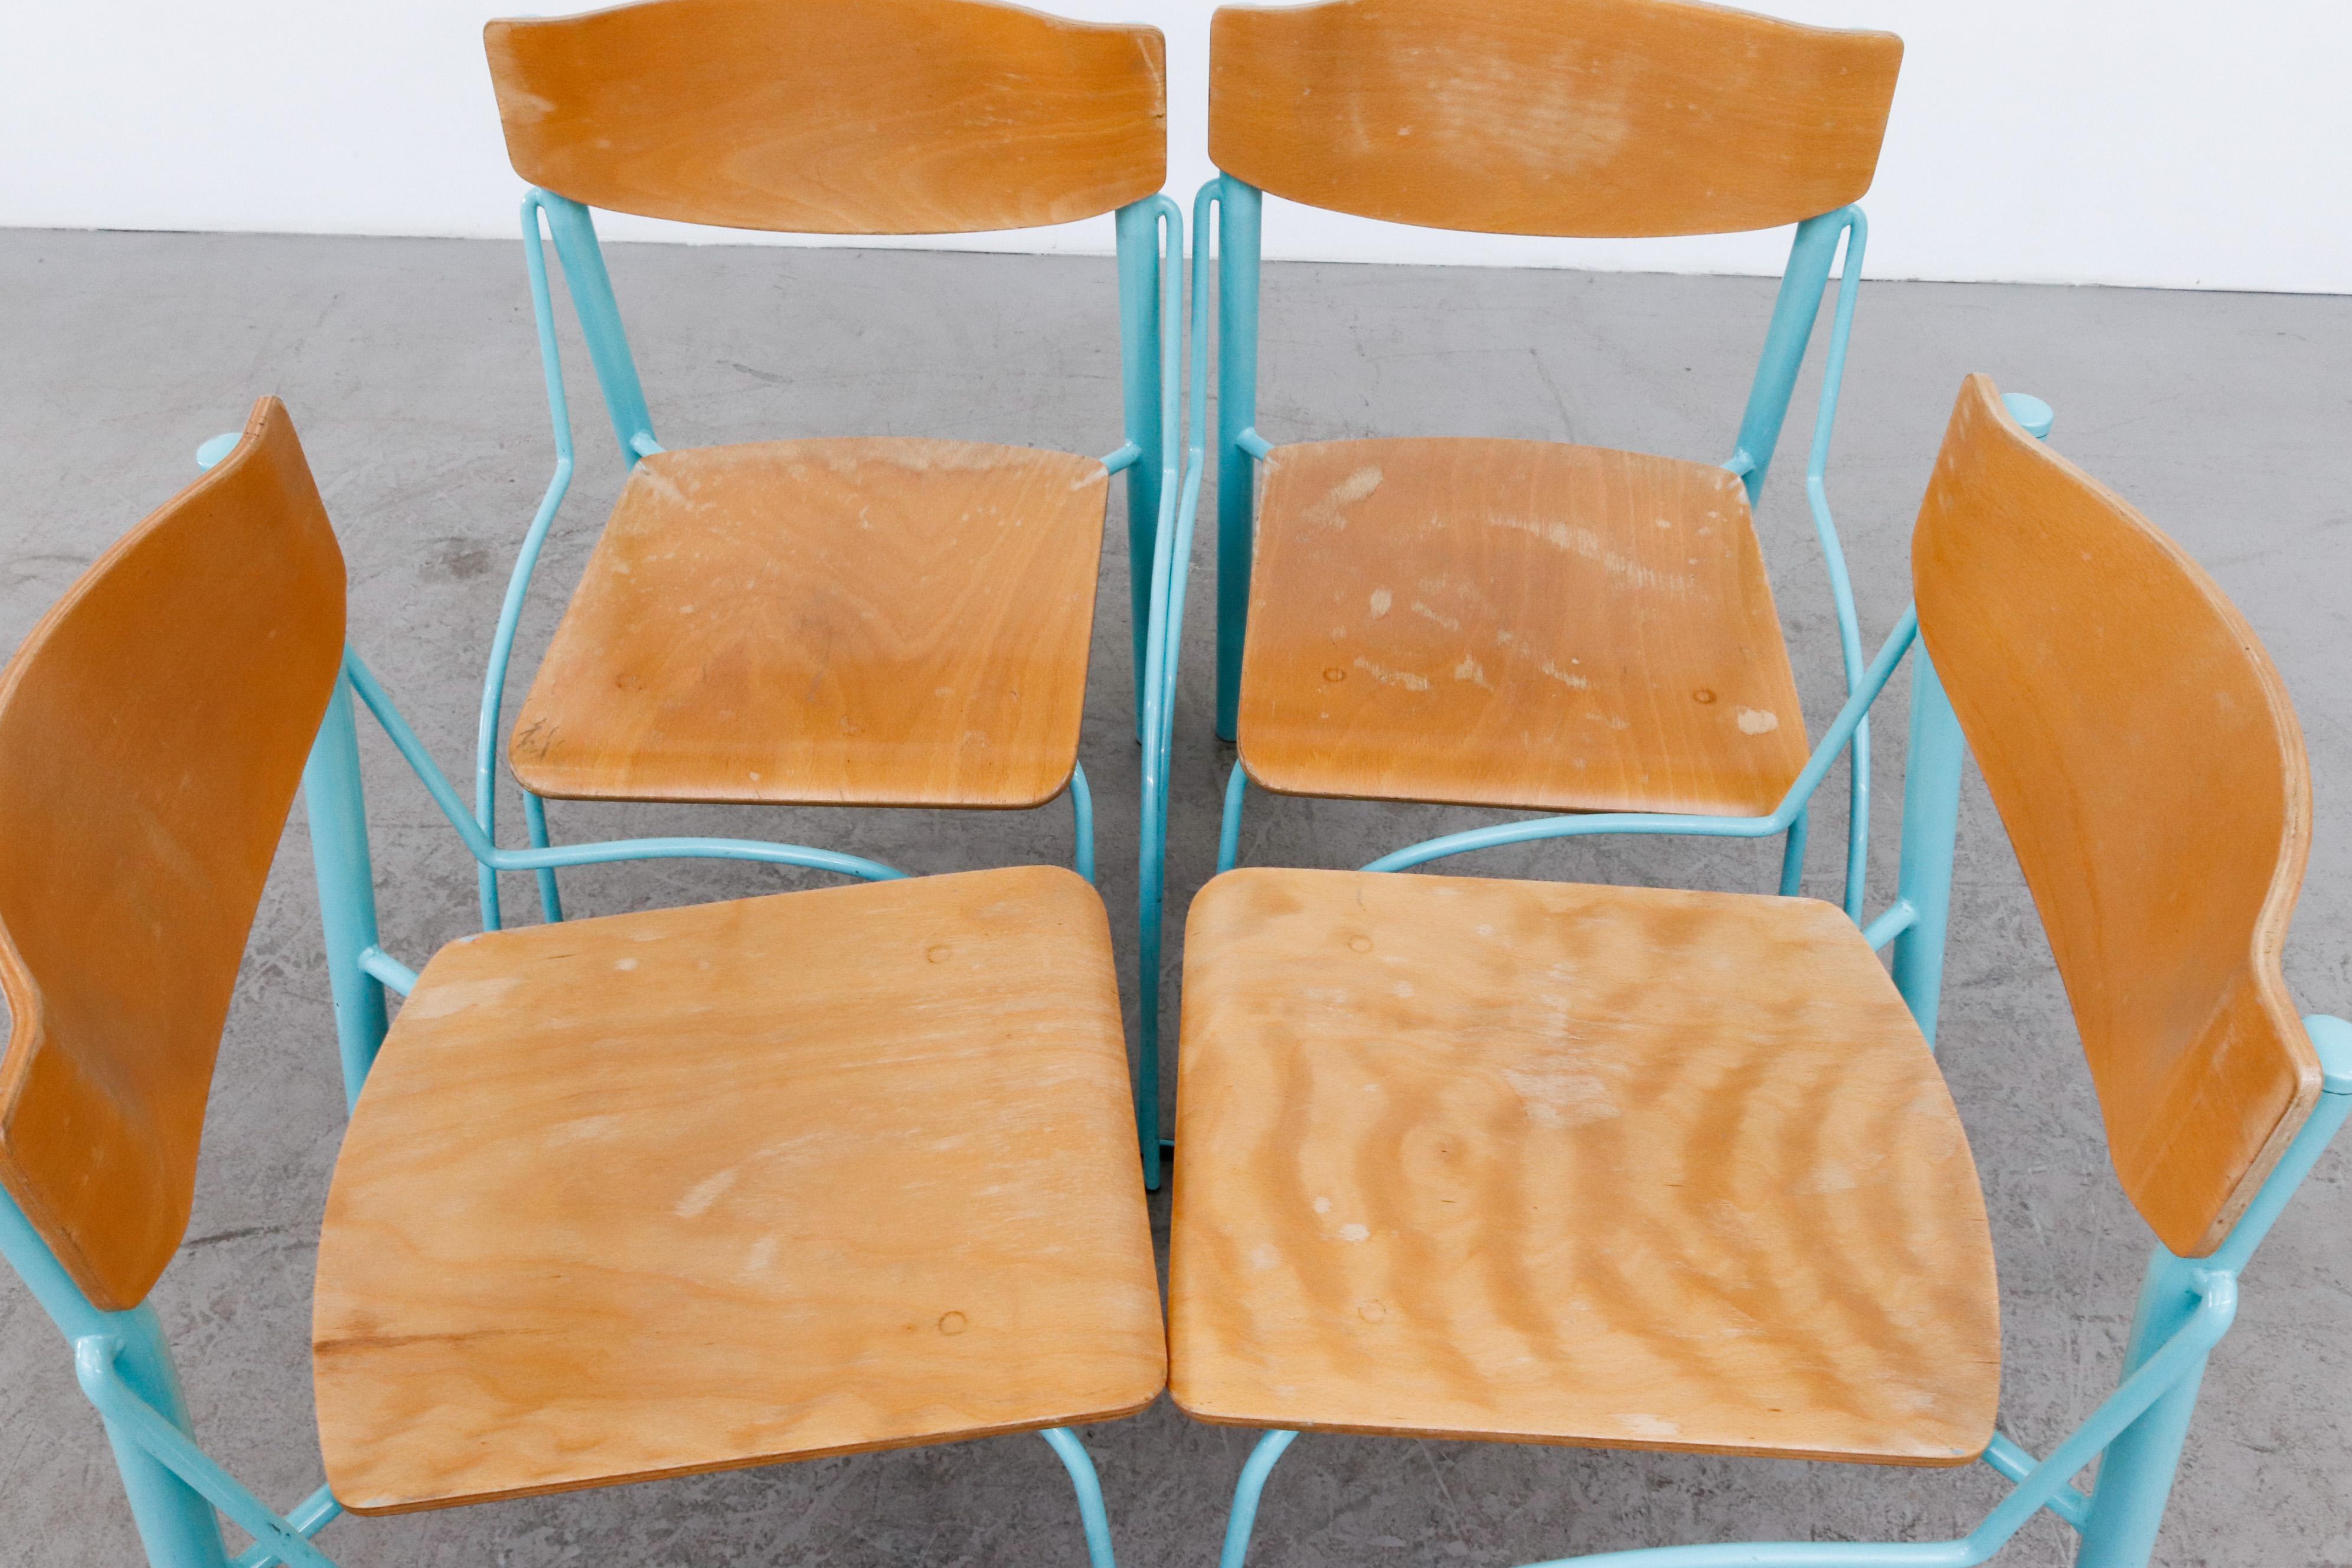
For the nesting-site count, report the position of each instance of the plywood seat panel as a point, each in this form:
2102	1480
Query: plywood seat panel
1615	1167
853	622
714	1186
1520	624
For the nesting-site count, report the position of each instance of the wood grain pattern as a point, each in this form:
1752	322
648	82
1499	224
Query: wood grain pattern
152	731
715	1186
1618	1167
1517	624
857	622
1597	118
2150	772
836	116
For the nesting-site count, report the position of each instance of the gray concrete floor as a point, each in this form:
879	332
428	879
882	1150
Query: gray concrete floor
409	368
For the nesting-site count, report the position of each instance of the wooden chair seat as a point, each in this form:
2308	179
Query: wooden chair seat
1517	624
1616	1167
707	1187
850	622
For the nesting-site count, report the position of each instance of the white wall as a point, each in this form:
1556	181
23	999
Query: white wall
2173	142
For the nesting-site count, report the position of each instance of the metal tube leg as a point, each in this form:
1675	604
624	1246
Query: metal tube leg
1139	350
1931	816
1246	1492
1091	1512
176	1525
1229	832
1082	823
337	809
551	898
2135	1475
1793	856
1857	832
1238	212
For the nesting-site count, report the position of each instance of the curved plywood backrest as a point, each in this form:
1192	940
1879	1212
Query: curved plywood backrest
152	732
2151	775
836	116
1598	118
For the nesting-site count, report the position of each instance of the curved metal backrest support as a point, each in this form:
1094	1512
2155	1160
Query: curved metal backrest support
1594	117
2142	752
152	732
881	117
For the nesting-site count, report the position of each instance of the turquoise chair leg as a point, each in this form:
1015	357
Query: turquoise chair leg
1246	1492
1140	371
1229	832
337	809
551	898
2136	1476
1792	856
1238	225
1082	823
1091	1512
1931	815
176	1525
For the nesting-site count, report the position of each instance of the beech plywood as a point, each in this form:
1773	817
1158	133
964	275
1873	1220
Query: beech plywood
835	116
152	731
1617	1167
848	621
715	1186
2151	774
1562	117
1517	624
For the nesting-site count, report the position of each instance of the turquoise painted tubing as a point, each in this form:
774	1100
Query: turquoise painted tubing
337	809
1170	558
1242	1523
1240	217
1814	251
1093	1517
1229	828
1931	817
1148	396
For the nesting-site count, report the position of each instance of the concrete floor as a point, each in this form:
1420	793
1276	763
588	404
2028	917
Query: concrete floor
409	369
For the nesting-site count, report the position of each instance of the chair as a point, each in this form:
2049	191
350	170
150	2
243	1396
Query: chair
885	622
652	1195
1520	623
1640	1168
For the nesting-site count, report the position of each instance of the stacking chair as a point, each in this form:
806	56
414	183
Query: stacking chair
1641	1168
1528	624
646	1196
887	622
1517	624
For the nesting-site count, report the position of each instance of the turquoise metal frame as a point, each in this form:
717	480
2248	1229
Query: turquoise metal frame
176	1491
1150	247
2185	1304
